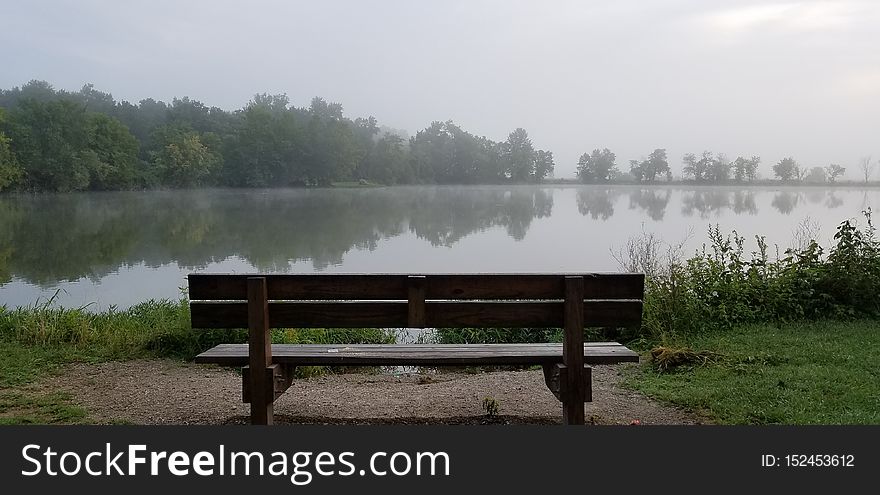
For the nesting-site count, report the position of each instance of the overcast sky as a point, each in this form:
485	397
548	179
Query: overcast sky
798	78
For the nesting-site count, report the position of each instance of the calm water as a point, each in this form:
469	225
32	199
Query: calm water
118	249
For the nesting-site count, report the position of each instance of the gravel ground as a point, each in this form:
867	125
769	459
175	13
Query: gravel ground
171	392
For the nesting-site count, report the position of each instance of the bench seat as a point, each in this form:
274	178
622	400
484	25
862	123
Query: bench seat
418	354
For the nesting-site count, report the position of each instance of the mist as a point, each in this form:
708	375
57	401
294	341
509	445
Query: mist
772	79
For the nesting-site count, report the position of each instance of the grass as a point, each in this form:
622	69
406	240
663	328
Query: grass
20	365
823	372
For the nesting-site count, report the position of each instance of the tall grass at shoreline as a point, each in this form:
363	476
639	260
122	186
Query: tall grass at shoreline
156	328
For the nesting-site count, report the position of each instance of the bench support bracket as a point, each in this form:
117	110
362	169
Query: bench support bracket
556	376
278	376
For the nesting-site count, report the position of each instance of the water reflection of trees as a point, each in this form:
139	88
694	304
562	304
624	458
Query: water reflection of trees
706	202
443	216
744	202
49	238
597	203
786	201
652	201
832	201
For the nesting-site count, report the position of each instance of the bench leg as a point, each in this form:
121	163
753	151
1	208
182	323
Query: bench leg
262	395
260	352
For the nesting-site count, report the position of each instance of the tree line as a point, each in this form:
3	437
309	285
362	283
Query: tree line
55	140
600	166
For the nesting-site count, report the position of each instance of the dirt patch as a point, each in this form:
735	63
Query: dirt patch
171	392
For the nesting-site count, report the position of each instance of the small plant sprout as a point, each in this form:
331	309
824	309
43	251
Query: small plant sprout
490	405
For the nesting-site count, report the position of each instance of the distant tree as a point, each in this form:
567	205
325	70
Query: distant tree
387	162
519	156
321	108
787	169
718	168
700	169
815	175
834	171
543	165
866	167
745	168
637	169
752	167
651	168
597	166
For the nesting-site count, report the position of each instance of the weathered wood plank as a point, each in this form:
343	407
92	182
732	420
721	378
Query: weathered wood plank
260	352
572	385
416	303
434	355
620	313
395	286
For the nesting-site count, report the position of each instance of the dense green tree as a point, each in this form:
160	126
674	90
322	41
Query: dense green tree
182	158
387	162
114	157
10	171
50	140
266	147
331	151
597	166
446	154
94	100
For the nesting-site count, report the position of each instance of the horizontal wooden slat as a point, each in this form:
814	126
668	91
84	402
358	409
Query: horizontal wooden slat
619	313
418	355
394	286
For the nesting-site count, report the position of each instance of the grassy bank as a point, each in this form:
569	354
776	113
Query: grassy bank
821	372
38	340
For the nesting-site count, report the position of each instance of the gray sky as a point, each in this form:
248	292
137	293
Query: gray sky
772	78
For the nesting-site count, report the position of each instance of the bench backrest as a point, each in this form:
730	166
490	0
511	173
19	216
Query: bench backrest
419	301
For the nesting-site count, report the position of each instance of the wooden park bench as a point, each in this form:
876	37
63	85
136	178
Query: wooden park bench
262	302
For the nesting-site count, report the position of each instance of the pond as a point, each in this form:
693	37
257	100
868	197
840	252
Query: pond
117	249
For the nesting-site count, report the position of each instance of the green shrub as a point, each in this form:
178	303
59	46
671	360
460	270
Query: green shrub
721	287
